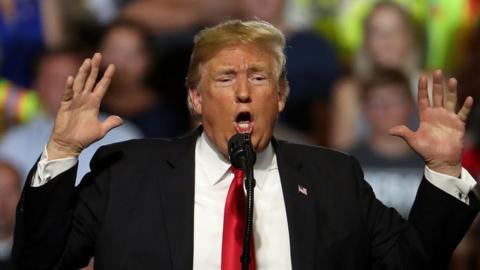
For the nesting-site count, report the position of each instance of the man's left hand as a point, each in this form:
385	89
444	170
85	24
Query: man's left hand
439	139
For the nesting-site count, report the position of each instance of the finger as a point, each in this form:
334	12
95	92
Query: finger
103	84
402	132
451	96
110	123
423	102
92	77
437	89
68	92
81	76
466	108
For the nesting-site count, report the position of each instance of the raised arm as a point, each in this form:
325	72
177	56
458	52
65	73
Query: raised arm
77	124
439	140
437	221
47	234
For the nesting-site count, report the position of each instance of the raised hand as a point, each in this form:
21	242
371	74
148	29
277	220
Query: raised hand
77	124
440	138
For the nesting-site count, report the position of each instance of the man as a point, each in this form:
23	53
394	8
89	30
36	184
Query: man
159	204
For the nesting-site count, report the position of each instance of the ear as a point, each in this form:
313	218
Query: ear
282	99
196	100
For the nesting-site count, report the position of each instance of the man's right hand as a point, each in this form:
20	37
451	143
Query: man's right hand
77	124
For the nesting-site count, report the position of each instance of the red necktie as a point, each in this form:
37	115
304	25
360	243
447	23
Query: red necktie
234	225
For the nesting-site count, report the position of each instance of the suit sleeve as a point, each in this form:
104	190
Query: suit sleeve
436	224
57	223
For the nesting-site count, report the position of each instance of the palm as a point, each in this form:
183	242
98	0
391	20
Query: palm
439	138
77	124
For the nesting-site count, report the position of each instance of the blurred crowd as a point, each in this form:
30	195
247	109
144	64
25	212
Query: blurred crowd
352	68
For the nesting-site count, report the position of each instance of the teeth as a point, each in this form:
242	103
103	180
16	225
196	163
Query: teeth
244	127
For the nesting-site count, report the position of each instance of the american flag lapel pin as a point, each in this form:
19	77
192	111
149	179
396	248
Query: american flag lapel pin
302	189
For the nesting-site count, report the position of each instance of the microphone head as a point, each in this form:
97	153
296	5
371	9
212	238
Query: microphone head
240	151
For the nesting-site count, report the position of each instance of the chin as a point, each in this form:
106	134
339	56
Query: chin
259	144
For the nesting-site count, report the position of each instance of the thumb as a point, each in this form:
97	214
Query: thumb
111	122
402	132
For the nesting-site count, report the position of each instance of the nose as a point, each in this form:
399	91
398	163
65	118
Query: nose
243	92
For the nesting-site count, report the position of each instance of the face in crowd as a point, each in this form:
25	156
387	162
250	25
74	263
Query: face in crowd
52	71
387	106
125	45
389	37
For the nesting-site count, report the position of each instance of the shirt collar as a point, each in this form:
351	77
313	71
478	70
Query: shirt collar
5	247
216	166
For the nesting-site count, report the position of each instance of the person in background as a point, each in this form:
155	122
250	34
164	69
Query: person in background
105	11
21	144
390	42
161	16
391	167
126	44
27	28
10	189
17	105
312	68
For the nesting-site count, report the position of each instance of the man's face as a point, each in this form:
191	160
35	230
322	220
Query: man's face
386	107
53	71
238	92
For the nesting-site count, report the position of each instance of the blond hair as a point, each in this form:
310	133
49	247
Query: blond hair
211	40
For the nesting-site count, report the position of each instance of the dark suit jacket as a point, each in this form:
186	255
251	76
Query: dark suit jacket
135	211
6	265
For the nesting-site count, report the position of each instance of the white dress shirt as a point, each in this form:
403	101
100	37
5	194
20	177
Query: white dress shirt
212	181
6	248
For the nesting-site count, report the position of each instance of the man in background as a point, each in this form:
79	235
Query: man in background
391	167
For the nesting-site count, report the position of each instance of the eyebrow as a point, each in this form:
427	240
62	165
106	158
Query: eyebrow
257	68
228	70
225	71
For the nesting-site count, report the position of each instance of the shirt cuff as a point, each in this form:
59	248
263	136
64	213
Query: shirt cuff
457	187
48	169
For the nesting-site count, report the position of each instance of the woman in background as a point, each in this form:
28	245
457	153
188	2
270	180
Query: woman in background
126	44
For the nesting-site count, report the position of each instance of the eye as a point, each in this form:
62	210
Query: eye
258	79
224	80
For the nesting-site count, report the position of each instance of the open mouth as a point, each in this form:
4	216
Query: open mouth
244	123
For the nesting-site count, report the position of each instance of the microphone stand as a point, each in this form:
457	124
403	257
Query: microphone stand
243	156
247	235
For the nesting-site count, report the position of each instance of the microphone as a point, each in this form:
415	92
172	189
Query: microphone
243	157
241	152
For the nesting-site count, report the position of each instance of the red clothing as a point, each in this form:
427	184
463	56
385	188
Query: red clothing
471	162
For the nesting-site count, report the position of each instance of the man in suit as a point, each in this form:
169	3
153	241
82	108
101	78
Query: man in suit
159	204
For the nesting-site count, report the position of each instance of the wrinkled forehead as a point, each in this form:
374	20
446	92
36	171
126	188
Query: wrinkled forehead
242	57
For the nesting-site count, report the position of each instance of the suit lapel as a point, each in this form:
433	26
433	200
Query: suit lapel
178	191
299	207
177	187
